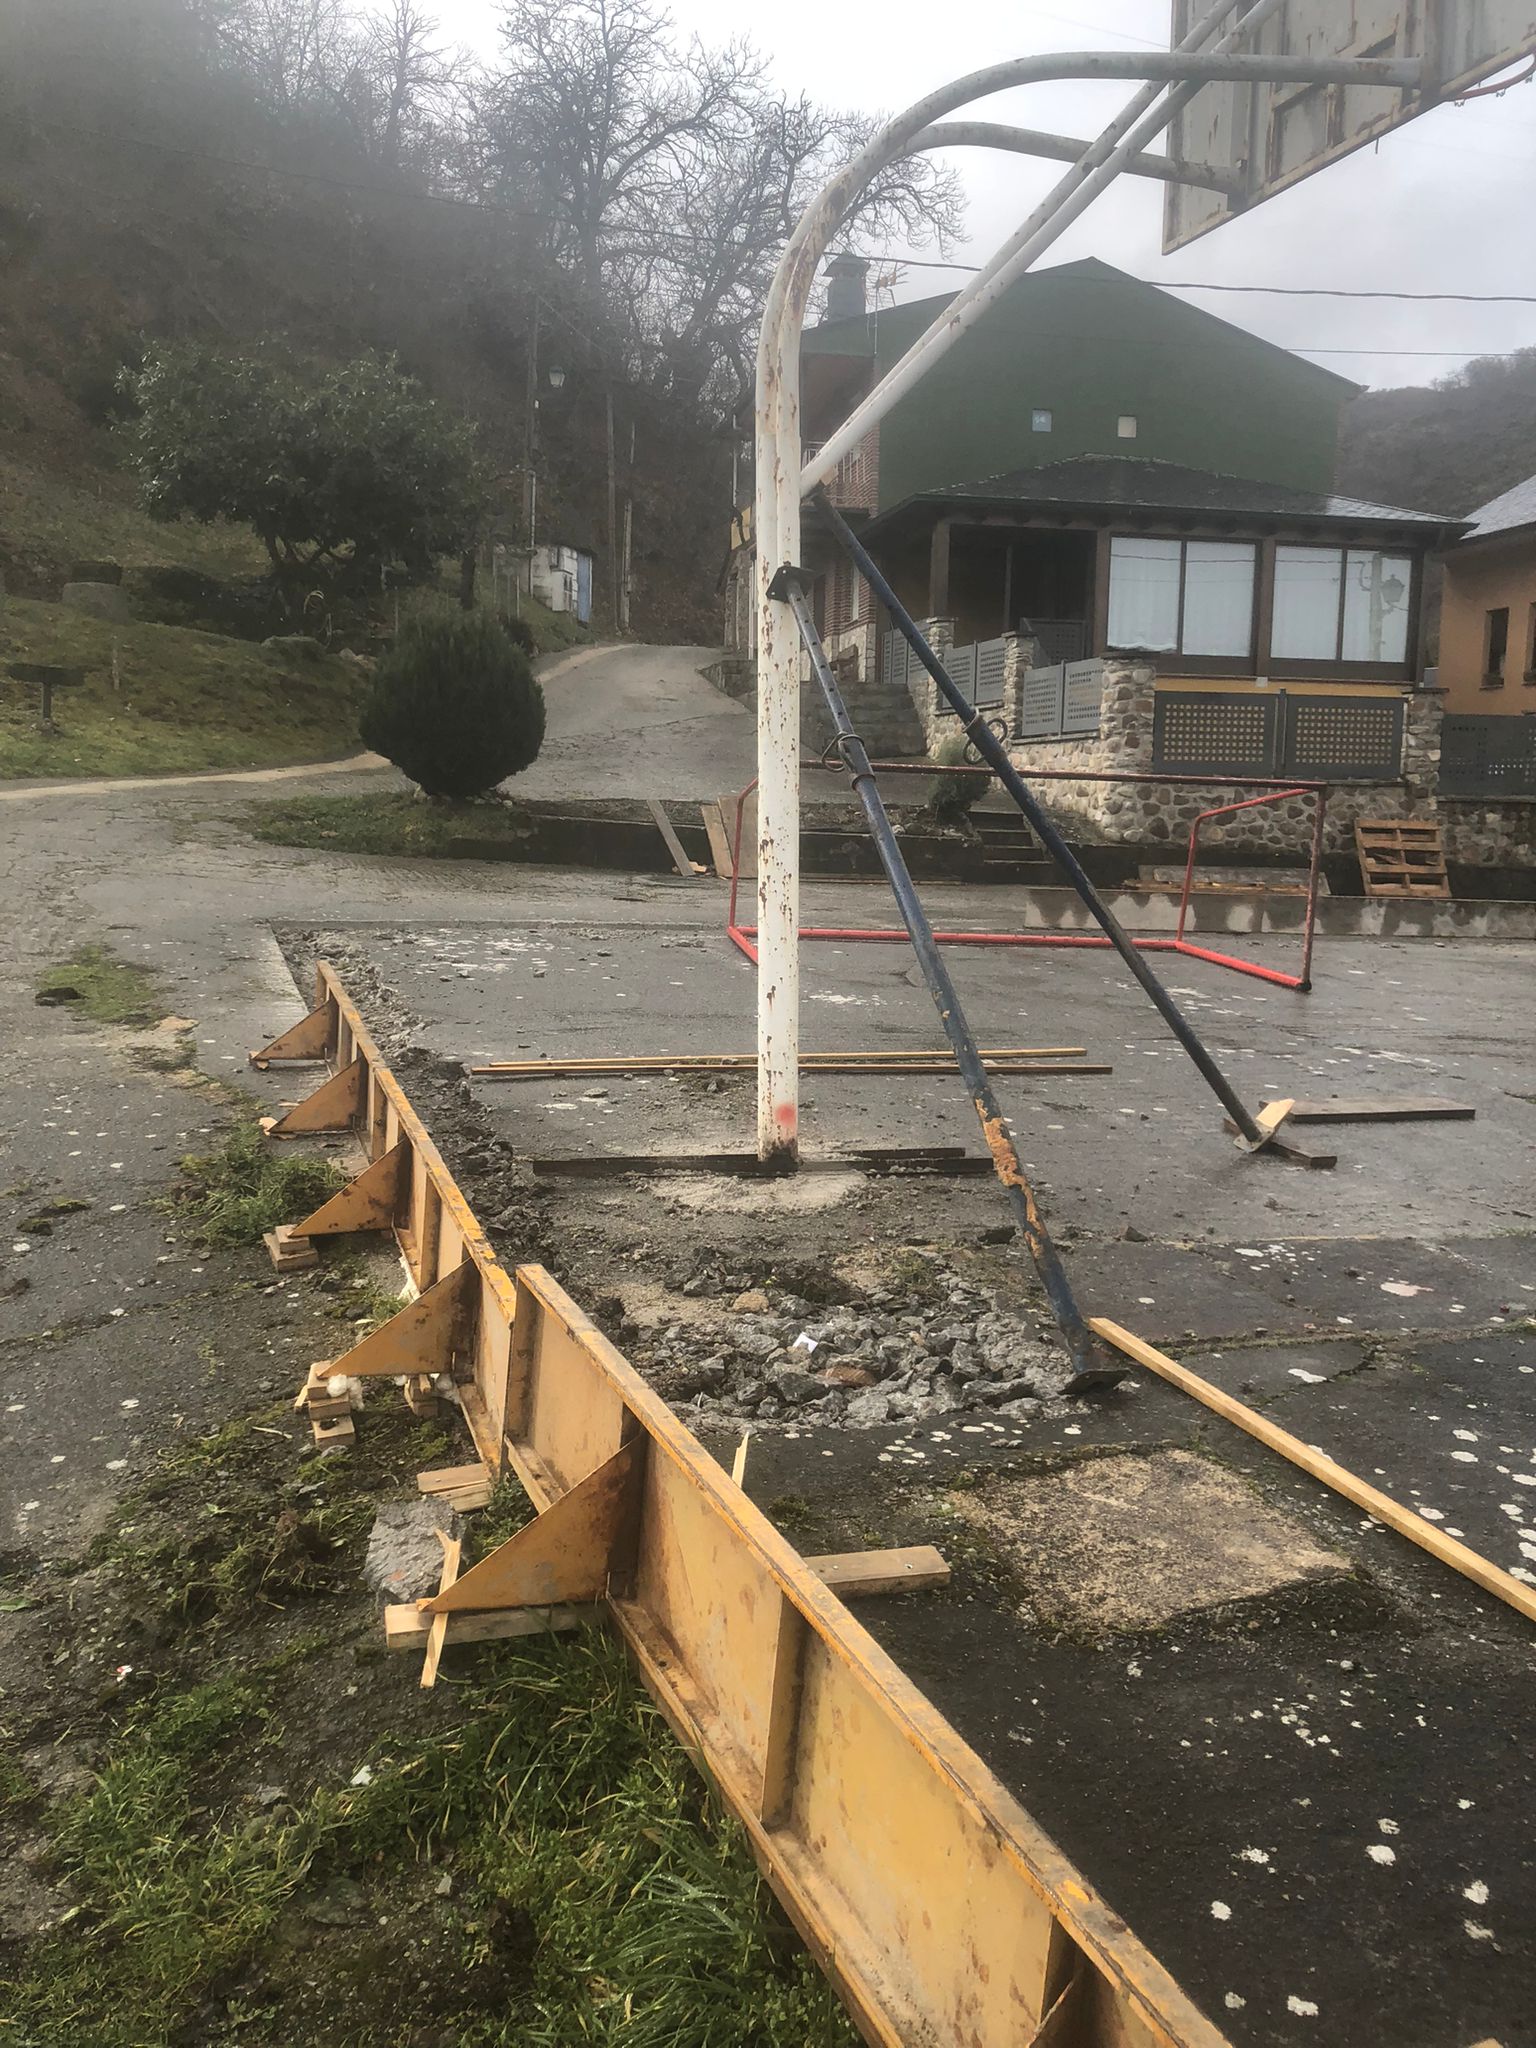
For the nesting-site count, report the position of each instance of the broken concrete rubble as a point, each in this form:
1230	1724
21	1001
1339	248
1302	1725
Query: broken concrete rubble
892	1356
405	1559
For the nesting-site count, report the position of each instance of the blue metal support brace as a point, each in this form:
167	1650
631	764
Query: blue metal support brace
1092	1366
995	754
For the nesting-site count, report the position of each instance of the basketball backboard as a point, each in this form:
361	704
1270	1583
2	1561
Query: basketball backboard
1270	136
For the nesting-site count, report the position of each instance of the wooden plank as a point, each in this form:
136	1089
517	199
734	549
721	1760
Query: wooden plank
719	844
857	1574
1380	1506
1382	1109
860	1574
832	1065
407	1625
450	1478
680	860
1269	1120
747	1165
289	1252
716	1062
437	1631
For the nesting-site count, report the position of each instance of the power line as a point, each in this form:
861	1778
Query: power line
1283	291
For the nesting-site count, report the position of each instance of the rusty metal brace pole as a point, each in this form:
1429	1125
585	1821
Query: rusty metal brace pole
995	754
1091	1365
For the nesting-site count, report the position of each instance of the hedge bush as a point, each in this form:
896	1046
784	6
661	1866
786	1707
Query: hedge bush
455	706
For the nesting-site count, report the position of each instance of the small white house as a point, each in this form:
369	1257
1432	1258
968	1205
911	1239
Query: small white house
561	578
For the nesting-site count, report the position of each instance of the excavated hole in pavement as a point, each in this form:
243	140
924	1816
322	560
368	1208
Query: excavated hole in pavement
923	1346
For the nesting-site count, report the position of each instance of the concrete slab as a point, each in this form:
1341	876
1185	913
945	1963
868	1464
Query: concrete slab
1450	1430
1169	1293
1131	1543
1143	1146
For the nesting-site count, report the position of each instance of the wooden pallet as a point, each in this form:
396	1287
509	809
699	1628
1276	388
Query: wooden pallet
1402	857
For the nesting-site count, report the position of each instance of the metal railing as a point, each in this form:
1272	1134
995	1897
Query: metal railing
1062	700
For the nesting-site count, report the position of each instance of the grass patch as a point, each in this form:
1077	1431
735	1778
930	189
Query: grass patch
95	983
527	1862
236	1195
390	824
184	700
598	1895
50	521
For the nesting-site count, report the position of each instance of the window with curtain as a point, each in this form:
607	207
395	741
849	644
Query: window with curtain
1341	605
1191	597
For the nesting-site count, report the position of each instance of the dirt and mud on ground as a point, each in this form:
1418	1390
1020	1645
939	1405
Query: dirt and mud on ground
226	1815
1287	1746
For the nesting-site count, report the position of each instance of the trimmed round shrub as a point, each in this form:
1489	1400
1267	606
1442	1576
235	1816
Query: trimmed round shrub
455	706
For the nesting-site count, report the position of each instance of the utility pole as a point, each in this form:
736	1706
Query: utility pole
614	561
531	427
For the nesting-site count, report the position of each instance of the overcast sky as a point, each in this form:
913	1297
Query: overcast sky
1445	204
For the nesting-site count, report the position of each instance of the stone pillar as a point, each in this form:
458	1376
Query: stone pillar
1421	744
940	635
1019	654
1125	714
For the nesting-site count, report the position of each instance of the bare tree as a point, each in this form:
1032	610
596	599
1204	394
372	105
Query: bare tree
669	178
399	85
594	112
290	50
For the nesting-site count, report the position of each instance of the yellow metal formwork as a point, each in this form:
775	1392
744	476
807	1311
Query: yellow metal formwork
944	1914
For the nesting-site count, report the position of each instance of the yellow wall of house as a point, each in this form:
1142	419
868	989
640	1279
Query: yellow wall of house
1476	582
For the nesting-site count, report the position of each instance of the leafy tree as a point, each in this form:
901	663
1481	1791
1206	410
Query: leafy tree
455	706
345	474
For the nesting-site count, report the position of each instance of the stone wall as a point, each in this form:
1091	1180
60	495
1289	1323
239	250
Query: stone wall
1478	833
1130	814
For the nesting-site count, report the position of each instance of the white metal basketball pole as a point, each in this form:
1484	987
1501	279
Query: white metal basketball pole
782	479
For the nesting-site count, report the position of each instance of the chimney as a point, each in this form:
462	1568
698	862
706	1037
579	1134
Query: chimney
845	287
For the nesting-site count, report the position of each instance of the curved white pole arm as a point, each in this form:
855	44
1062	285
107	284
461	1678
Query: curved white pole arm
1069	149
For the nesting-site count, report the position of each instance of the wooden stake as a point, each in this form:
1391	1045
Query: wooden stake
437	1633
1381	1506
685	867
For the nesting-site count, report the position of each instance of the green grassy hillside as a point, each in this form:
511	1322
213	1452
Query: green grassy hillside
51	518
183	700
